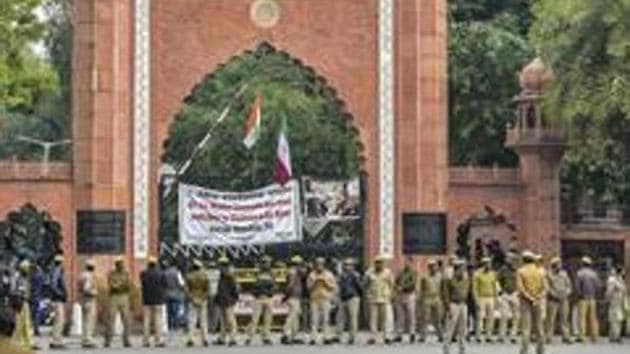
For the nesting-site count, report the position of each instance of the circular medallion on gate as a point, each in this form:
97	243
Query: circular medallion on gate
265	13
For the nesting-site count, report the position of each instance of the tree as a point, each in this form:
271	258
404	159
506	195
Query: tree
587	45
23	76
484	58
34	88
323	143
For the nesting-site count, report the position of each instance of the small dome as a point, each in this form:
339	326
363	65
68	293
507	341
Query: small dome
535	76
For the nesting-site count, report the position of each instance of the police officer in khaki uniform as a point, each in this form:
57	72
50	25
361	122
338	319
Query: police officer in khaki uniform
380	293
455	292
532	289
558	301
406	284
119	282
87	300
485	291
432	305
293	292
263	290
198	288
321	285
509	304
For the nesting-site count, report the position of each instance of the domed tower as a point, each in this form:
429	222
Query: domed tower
540	147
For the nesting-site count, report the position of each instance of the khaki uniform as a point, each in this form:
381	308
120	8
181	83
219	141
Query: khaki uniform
532	287
406	284
23	333
119	289
485	294
87	300
9	346
432	305
293	293
198	286
322	286
455	292
509	309
380	292
558	303
615	295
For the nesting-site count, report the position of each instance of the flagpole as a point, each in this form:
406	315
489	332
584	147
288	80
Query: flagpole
184	167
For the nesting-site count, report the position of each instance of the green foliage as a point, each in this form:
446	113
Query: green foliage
485	57
34	89
587	44
488	10
323	144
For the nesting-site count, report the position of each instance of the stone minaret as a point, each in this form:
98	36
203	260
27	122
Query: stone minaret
540	149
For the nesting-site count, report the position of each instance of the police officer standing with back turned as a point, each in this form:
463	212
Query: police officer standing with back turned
119	282
225	300
198	287
532	289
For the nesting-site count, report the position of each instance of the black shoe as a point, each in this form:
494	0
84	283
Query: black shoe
412	338
161	345
206	343
489	340
421	340
501	340
88	346
312	342
267	342
514	341
106	345
57	346
285	340
219	342
146	345
190	344
397	339
298	342
388	341
232	343
334	340
248	341
127	345
350	341
371	341
567	341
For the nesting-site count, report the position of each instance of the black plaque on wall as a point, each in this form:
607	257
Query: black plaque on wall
100	232
424	233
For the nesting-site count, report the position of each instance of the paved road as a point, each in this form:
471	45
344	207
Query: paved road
429	348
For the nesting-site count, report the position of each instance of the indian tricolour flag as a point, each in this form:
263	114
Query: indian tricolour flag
252	125
283	171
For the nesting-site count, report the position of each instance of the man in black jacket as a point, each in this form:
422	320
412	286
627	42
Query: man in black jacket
350	291
153	284
225	300
59	297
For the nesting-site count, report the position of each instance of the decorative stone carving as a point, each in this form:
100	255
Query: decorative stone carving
141	128
386	127
265	13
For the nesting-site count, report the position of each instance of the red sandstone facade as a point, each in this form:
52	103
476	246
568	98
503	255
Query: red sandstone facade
339	39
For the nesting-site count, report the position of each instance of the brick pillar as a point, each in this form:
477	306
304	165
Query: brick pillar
101	110
421	109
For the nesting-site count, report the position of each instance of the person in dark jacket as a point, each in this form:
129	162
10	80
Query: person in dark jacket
263	290
225	300
350	292
59	297
153	284
175	294
38	286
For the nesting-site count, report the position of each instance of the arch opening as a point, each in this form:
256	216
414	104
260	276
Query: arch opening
324	143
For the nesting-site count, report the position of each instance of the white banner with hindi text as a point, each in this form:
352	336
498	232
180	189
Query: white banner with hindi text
217	218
